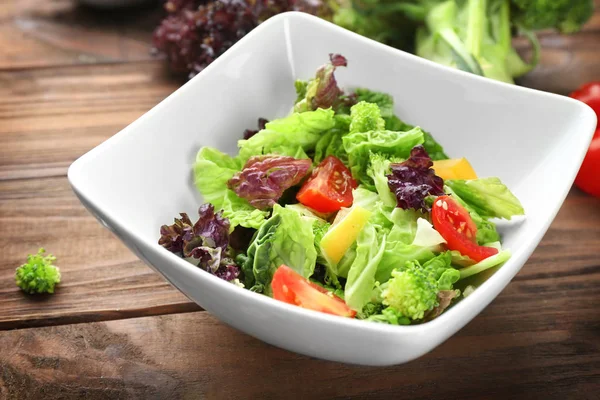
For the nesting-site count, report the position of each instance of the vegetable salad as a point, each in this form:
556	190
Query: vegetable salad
342	207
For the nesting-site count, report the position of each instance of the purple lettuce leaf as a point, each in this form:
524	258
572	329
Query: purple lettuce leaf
413	180
248	133
206	241
228	271
263	179
171	236
214	228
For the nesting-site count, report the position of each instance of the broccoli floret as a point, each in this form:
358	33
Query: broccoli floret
370	309
568	16
579	13
413	290
366	117
38	275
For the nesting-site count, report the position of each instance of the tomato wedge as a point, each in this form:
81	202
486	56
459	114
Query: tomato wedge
455	225
329	187
292	288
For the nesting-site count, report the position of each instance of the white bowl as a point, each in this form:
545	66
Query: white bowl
142	177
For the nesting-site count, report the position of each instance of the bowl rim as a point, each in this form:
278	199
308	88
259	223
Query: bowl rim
500	278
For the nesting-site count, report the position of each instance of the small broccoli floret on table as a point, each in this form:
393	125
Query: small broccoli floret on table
38	274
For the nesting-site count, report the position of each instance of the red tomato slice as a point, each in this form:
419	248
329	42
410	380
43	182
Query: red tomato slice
292	288
329	187
455	225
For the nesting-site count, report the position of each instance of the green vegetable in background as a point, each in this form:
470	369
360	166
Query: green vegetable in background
471	35
38	274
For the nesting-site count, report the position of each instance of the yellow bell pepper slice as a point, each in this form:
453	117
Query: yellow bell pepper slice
456	168
343	233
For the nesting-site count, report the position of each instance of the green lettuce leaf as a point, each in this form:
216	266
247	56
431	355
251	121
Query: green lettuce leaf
255	263
378	169
212	170
285	135
489	197
384	101
398	249
361	276
369	200
330	142
285	238
433	148
293	242
240	212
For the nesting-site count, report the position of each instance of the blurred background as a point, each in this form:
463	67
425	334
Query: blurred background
191	33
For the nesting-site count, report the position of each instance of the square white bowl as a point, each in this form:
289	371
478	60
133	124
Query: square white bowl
141	178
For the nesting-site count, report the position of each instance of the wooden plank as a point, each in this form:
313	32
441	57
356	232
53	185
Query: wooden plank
50	117
503	353
40	33
101	278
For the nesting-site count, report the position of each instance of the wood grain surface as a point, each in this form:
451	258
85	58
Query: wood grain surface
51	33
70	77
514	353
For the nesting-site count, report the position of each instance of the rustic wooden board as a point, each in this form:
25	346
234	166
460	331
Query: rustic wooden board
530	351
42	33
50	117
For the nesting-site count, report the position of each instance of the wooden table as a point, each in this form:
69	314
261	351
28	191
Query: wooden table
71	77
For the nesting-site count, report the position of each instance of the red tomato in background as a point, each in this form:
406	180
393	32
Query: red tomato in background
292	288
329	187
455	225
588	178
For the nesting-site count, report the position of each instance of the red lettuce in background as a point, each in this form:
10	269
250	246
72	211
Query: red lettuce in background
206	241
413	180
196	32
263	179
